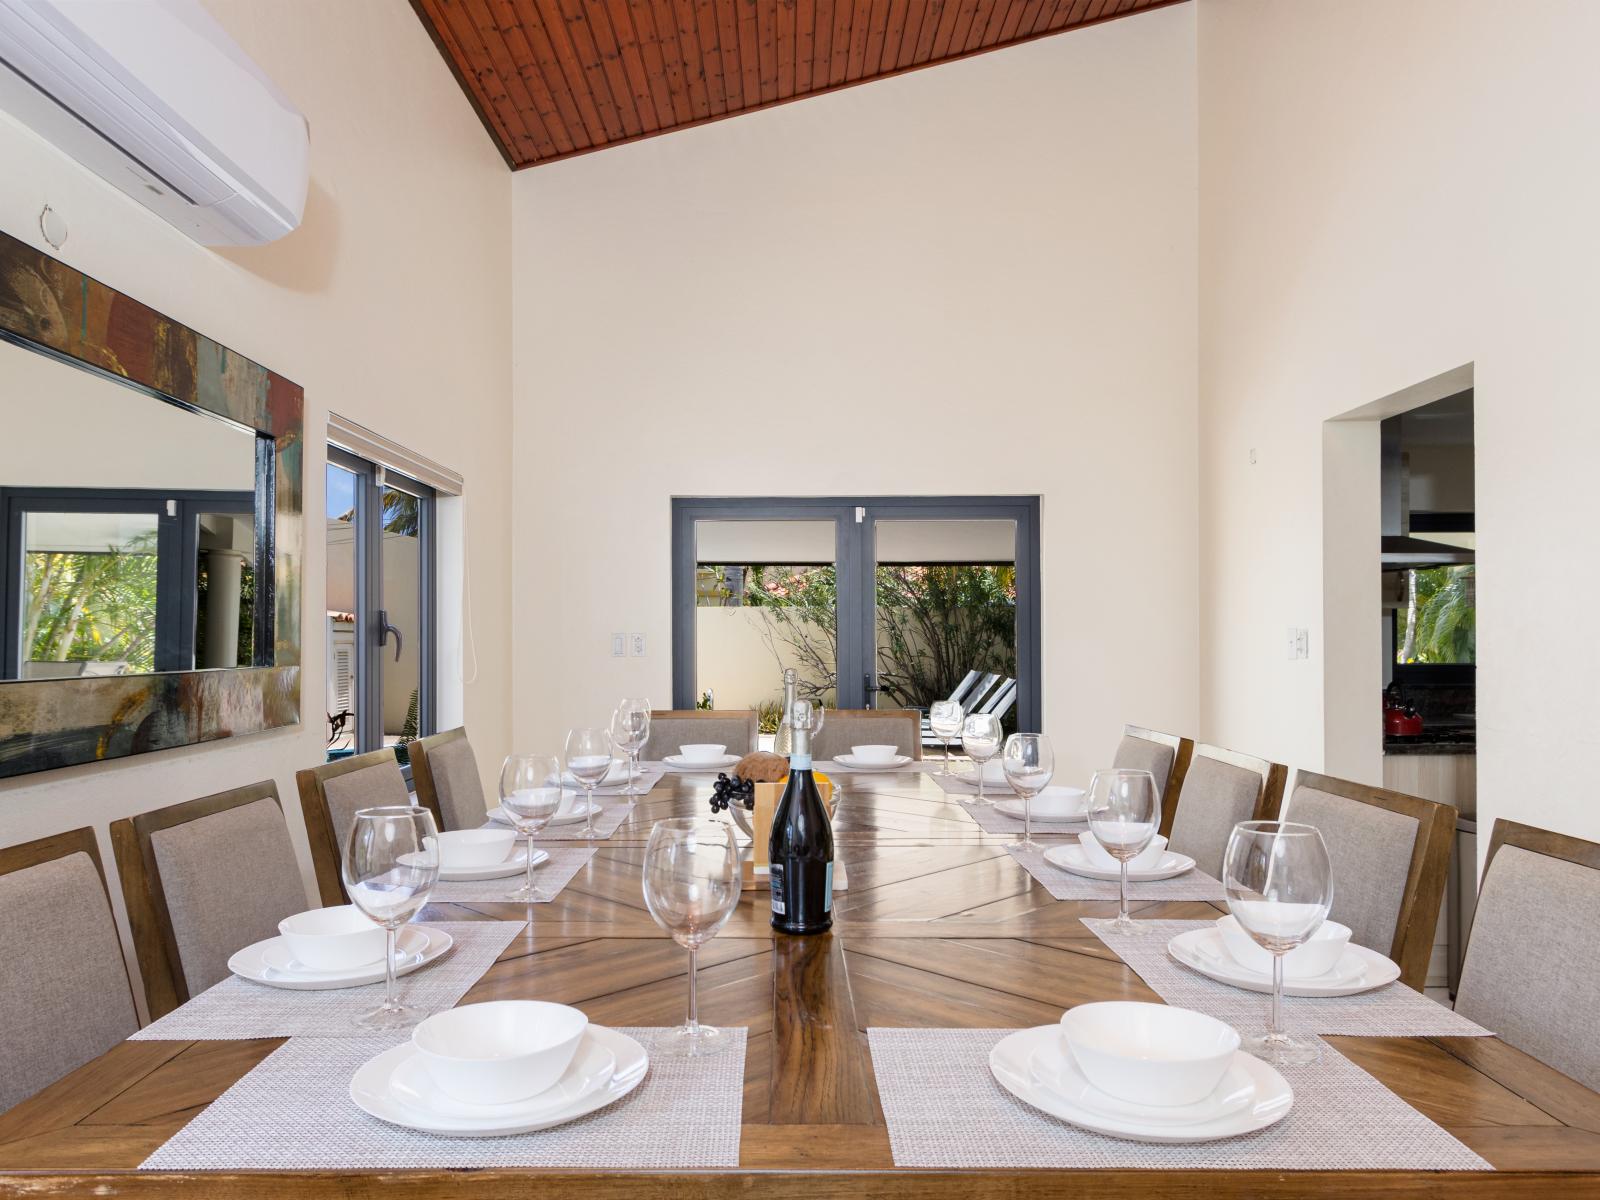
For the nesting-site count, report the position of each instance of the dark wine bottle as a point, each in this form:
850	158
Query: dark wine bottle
801	849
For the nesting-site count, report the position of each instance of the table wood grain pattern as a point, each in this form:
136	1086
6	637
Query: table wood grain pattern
939	928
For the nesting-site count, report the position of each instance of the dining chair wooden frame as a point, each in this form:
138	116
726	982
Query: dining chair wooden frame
154	940
1269	801
1536	841
1426	875
59	845
905	714
320	833
1182	751
422	781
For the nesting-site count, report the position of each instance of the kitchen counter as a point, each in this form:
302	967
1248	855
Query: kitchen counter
1424	744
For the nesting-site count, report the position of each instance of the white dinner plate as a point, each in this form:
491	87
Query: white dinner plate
1059	1072
861	764
374	1091
1358	969
1059	805
1011	1059
679	763
270	962
616	773
593	1064
513	865
1070	857
577	812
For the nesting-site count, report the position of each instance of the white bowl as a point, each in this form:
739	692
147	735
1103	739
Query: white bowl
701	752
1149	1053
499	1052
330	939
1306	961
877	754
1059	803
994	771
1146	860
470	849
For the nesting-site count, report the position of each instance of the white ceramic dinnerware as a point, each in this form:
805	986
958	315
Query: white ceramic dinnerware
333	939
1057	803
501	1051
616	773
875	754
1279	882
529	803
1069	856
991	772
1035	1067
1146	860
395	1087
679	762
1357	970
861	764
390	864
271	962
1318	955
473	849
1153	1054
702	752
514	863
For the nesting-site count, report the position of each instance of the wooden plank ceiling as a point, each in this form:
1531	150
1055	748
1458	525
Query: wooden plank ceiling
554	78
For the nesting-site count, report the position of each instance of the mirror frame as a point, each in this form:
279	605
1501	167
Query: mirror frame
51	308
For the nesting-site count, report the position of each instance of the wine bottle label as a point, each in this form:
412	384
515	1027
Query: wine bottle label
777	890
800	762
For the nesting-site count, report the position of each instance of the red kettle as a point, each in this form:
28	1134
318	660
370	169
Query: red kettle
1399	718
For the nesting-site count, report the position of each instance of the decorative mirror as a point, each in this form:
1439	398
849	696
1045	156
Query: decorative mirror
150	527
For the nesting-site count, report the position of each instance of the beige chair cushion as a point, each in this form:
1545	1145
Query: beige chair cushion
1216	796
841	730
1141	754
1370	851
457	784
1529	974
381	786
229	878
668	733
64	995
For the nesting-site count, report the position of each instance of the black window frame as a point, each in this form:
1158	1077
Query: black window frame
177	516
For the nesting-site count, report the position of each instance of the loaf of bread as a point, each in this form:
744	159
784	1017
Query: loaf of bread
762	767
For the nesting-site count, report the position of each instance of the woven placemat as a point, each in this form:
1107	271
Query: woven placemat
549	877
1392	1011
237	1008
293	1112
613	812
649	774
1064	885
945	1110
991	820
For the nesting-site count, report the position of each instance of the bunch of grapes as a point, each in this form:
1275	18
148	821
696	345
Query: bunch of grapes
725	791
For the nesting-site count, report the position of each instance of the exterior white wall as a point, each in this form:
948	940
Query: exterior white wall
1388	192
389	305
974	279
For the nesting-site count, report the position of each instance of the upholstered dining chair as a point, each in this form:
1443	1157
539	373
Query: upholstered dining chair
846	727
1390	854
1164	755
1531	954
65	995
671	728
202	879
330	797
444	772
1220	789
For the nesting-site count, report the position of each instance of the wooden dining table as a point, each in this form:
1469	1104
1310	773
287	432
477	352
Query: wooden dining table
938	927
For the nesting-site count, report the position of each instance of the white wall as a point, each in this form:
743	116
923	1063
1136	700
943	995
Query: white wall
974	279
389	305
1389	191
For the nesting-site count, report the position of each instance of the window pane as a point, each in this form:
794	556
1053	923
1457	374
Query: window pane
224	633
1438	617
402	601
89	603
340	630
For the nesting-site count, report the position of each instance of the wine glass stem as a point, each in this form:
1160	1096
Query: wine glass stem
694	1019
946	770
1122	892
390	1000
530	864
588	798
1027	821
633	772
1275	1020
981	765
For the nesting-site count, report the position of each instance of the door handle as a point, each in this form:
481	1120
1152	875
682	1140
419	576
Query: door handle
385	629
871	690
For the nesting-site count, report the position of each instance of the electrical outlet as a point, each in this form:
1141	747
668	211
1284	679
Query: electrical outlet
1297	643
619	645
636	645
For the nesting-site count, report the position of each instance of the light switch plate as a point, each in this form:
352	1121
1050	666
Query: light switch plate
619	645
1297	643
636	645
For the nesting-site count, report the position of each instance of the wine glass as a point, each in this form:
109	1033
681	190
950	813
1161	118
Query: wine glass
529	801
691	886
944	718
589	761
390	864
1123	813
1280	886
630	730
1029	762
980	738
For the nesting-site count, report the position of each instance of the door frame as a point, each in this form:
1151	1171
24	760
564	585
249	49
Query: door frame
854	558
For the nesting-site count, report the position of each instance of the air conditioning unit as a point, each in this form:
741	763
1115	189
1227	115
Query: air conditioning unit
155	98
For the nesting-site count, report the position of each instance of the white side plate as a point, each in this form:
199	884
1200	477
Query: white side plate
418	945
1359	970
678	763
851	762
1070	857
515	865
